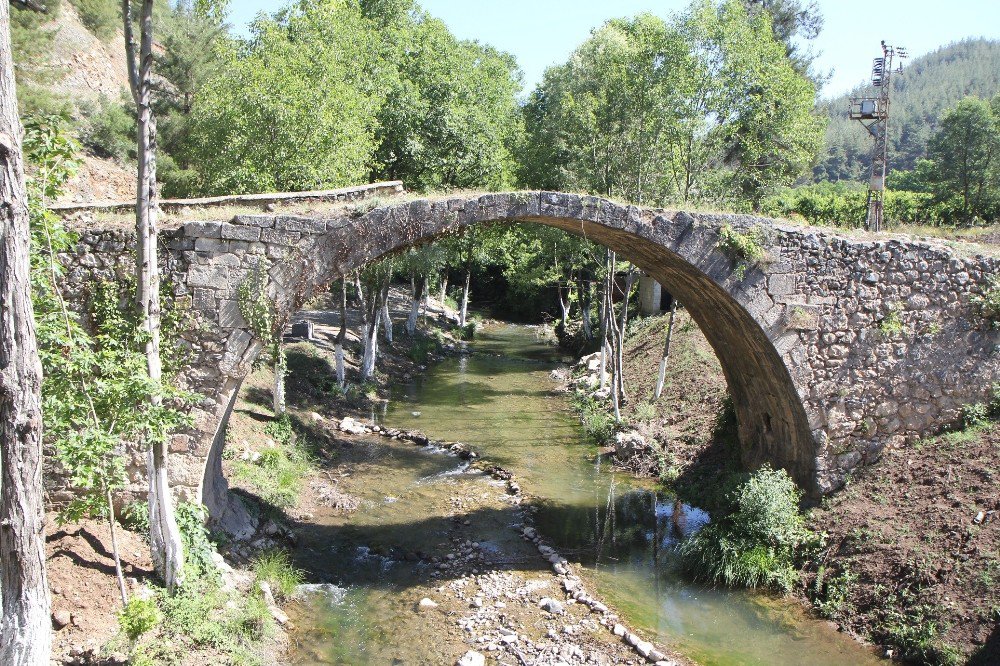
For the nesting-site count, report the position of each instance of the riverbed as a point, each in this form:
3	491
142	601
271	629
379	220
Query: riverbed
415	502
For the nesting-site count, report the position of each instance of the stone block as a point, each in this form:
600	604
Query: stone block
207	276
230	315
241	233
203	229
280	237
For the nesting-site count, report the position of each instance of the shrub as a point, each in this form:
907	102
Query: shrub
597	423
645	411
281	429
987	304
276	569
198	547
110	131
833	593
101	17
756	542
975	415
138	617
745	248
892	323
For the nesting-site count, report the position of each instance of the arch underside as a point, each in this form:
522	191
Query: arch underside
773	425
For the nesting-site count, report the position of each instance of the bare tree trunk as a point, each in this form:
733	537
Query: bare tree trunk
165	537
362	305
564	307
662	376
280	369
620	333
463	313
341	335
606	313
444	288
387	319
418	284
583	289
25	629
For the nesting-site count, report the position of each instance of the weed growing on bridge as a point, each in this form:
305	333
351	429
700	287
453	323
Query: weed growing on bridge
745	248
987	304
892	324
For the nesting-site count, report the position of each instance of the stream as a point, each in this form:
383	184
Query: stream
499	400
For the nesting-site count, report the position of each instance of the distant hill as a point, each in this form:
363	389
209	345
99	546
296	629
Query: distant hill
929	85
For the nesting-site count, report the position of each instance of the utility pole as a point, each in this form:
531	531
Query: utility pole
873	113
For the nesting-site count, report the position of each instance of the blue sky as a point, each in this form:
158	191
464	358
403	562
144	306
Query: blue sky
543	32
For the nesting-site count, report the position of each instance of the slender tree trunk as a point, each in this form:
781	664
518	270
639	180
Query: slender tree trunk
583	288
564	305
463	314
620	352
341	335
418	284
165	537
387	320
362	305
662	376
114	548
280	369
606	313
444	288
25	627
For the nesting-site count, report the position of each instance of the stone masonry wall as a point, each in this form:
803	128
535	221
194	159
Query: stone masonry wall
834	347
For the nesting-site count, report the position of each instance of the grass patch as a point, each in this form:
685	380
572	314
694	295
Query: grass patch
597	423
276	475
276	569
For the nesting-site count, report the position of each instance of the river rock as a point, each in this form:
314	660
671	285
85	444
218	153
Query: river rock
628	444
61	618
551	605
427	604
351	426
471	658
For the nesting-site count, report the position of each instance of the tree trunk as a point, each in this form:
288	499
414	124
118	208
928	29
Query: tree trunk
583	288
564	307
463	314
25	632
418	293
387	320
444	288
165	537
661	377
280	369
606	312
620	360
341	335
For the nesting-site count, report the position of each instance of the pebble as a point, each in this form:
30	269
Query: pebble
61	618
471	658
551	605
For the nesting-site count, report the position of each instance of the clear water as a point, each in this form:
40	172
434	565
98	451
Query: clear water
619	530
500	401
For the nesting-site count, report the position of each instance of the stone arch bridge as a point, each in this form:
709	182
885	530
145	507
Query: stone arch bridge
834	347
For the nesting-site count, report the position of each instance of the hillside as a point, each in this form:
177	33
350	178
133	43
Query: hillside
929	85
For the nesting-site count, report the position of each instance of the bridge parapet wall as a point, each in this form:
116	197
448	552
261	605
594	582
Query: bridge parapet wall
875	337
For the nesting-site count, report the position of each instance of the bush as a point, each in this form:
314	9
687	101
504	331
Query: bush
280	429
138	617
756	542
975	416
987	304
101	17
198	547
745	248
109	131
597	423
276	569
645	412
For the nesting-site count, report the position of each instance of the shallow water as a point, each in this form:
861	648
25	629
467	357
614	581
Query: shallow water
619	530
500	401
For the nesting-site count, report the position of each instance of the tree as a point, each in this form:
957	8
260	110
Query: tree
420	264
164	535
450	117
294	106
707	106
25	636
965	152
